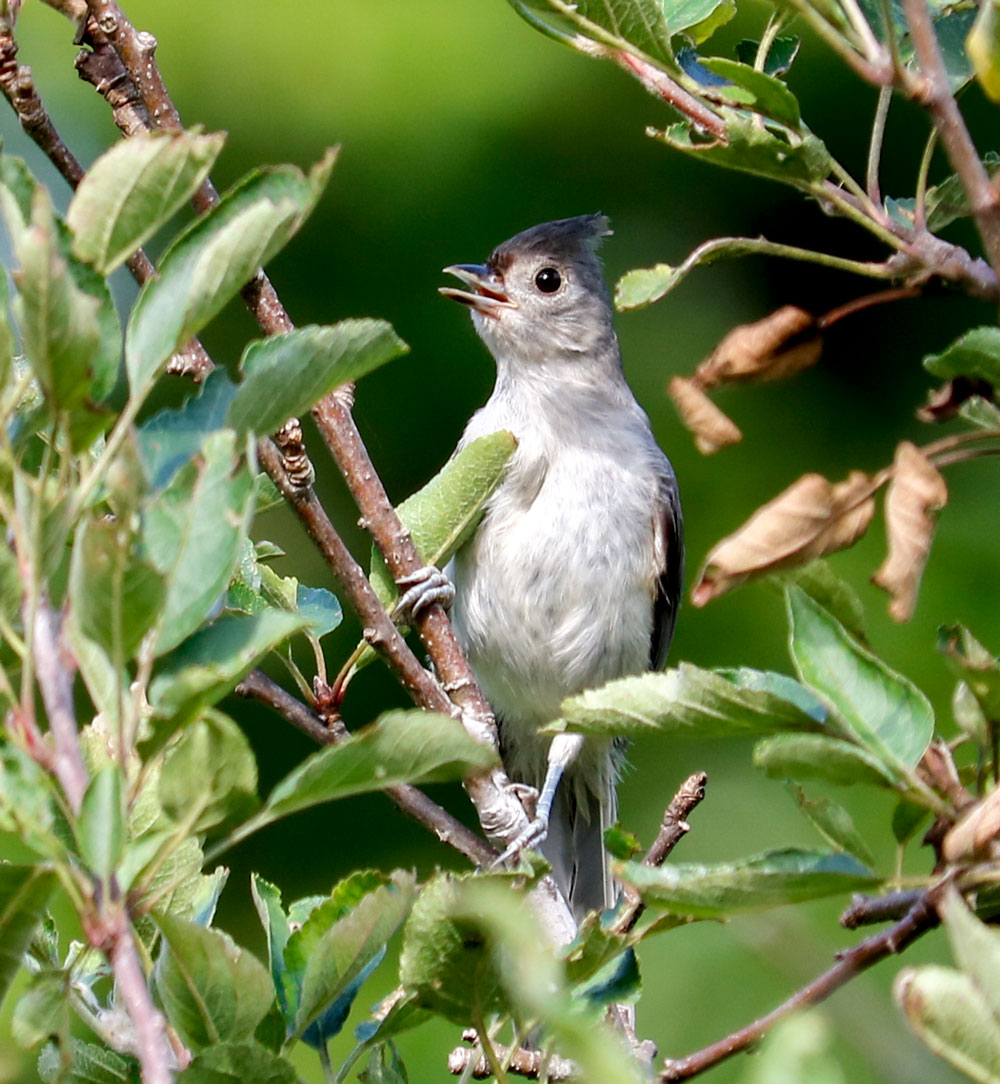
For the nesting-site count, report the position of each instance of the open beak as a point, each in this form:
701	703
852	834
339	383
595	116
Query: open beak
487	295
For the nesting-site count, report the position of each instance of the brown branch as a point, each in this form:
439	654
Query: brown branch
523	1062
406	798
659	84
934	93
921	917
54	669
870	910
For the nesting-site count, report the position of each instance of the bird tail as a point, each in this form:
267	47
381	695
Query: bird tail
574	845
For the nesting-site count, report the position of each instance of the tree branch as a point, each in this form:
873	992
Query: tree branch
920	918
935	95
406	798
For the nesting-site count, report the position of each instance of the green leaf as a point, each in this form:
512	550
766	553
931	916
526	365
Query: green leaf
133	189
211	768
802	162
975	353
7	345
24	893
623	24
779	685
884	711
170	438
319	609
817	756
826	588
286	375
768	95
947	201
42	1010
797	1050
947	1011
341	946
687	699
974	664
101	827
238	1063
975	947
115	595
834	824
59	321
384	1066
780	55
907	817
399	747
209	664
213	991
751	884
697	19
212	259
969	715
980	412
88	1064
194	531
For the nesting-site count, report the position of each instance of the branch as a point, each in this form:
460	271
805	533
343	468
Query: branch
409	799
935	95
659	84
521	1062
921	917
54	668
870	910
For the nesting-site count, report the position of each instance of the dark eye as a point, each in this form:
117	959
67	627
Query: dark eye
548	280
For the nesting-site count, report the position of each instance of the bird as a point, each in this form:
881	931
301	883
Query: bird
574	574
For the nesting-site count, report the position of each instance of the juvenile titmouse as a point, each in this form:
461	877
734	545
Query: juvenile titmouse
573	576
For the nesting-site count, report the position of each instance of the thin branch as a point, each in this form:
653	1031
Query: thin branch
871	910
662	86
875	146
54	669
921	917
408	799
520	1062
859	304
935	95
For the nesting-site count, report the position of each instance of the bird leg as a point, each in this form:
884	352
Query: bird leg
565	748
423	588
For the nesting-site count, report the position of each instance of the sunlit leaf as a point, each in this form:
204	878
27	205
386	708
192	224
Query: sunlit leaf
974	353
818	756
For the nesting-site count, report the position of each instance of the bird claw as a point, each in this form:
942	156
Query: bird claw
530	838
425	587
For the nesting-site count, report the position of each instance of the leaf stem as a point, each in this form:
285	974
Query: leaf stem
875	146
920	199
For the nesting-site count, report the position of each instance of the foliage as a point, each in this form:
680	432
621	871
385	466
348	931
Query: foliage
136	594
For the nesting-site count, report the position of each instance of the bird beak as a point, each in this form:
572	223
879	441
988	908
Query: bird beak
488	294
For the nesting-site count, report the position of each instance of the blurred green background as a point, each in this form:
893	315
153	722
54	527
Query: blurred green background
460	125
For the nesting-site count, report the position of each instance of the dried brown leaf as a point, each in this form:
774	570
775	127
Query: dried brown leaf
916	494
711	428
813	517
978	827
944	403
774	348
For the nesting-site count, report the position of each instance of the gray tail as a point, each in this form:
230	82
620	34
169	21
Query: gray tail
575	846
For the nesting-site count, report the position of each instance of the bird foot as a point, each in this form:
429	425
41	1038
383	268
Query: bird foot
530	838
423	588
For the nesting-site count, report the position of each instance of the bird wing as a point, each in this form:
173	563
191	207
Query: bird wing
669	528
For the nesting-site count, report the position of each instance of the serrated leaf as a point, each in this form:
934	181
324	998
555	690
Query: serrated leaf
834	594
213	991
286	375
167	440
211	768
884	711
115	595
975	353
42	1010
238	1063
768	95
194	531
101	827
947	201
639	24
978	667
947	1011
88	1064
212	259
24	893
817	756
697	19
783	50
133	189
209	664
801	162
344	952
834	824
684	699
767	880
399	747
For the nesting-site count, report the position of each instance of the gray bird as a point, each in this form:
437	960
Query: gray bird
573	576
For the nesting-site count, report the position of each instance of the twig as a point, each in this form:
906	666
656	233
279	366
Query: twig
870	910
921	917
875	147
408	799
54	668
934	93
521	1062
152	1046
858	304
662	86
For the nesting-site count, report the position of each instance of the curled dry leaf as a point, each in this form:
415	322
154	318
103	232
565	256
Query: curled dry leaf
974	830
711	428
813	517
780	345
944	403
916	493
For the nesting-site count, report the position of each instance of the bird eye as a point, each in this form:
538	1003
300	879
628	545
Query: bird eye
548	280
